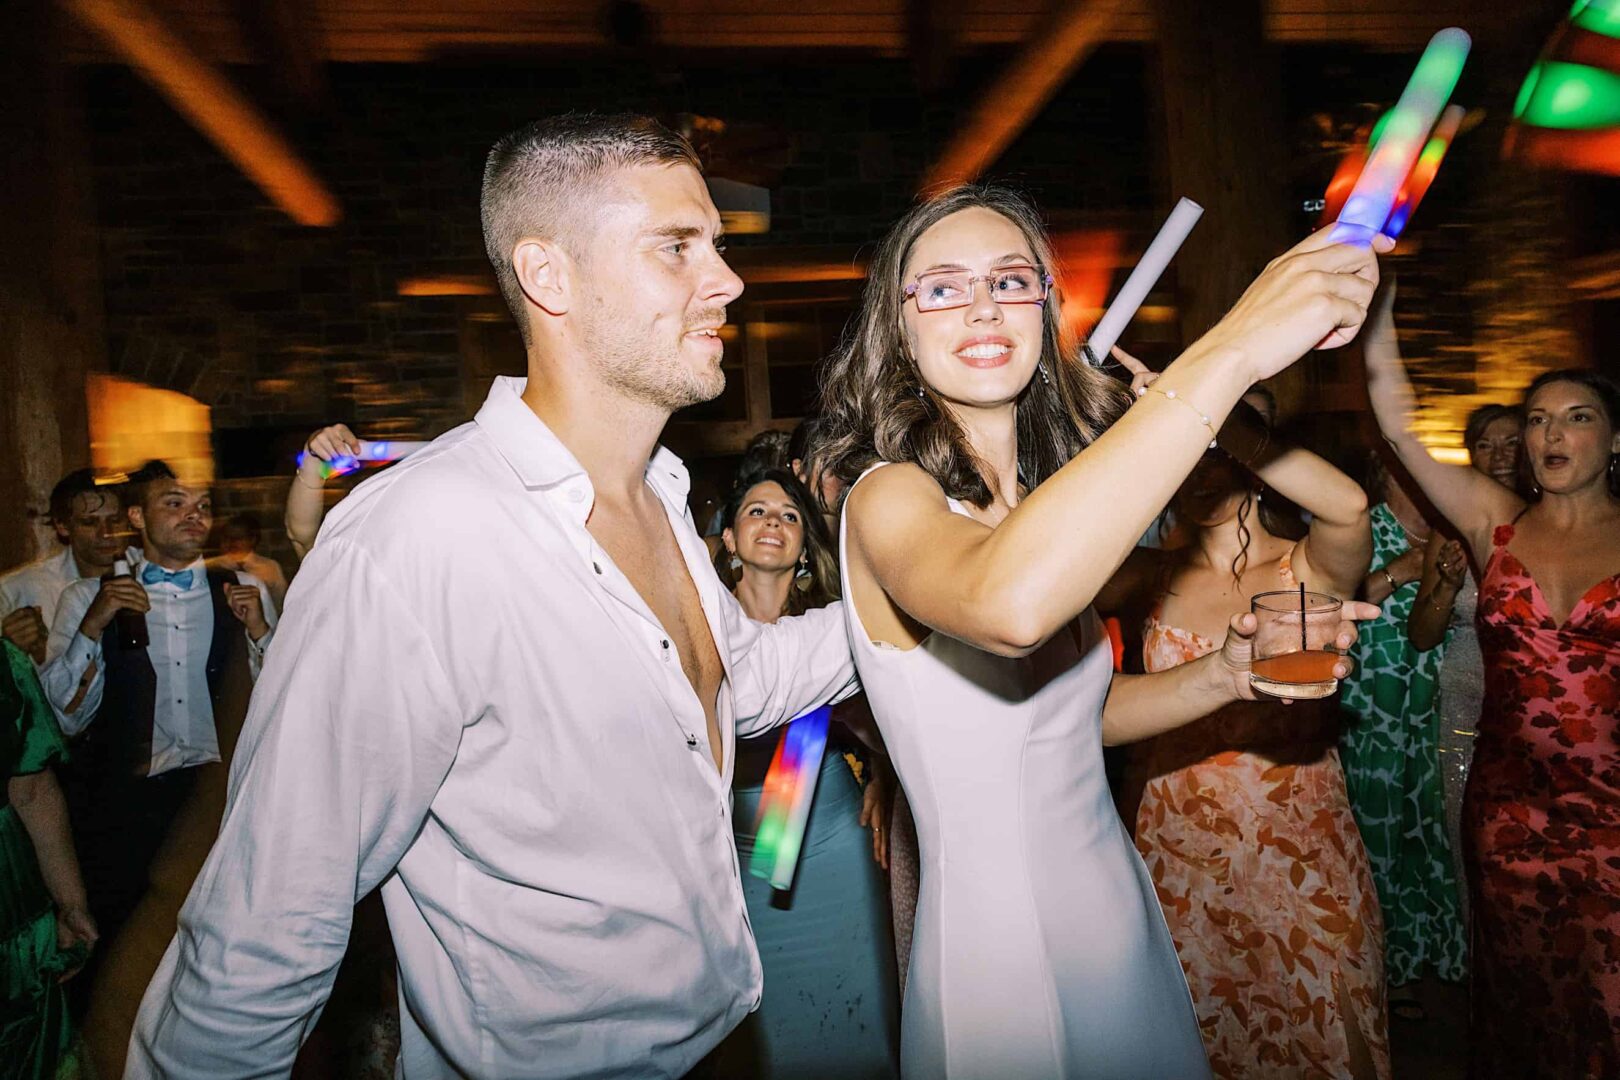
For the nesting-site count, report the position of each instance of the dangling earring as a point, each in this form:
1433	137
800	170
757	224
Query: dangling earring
1040	369
918	390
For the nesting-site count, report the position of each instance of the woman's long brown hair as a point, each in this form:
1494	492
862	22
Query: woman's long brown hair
876	406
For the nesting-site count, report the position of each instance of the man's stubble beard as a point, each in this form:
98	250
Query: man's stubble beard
640	367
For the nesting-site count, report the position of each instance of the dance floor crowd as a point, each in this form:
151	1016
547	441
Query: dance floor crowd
481	775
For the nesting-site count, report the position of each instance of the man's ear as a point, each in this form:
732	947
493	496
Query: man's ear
545	273
137	518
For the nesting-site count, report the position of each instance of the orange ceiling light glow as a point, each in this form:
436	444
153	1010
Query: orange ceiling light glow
1086	261
209	100
1051	55
447	285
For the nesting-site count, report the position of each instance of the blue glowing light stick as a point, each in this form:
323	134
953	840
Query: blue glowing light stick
784	805
371	453
1403	138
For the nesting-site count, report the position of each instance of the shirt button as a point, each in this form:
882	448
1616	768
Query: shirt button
597	567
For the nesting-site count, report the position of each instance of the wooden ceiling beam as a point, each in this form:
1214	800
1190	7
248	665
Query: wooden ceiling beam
286	37
1053	52
212	103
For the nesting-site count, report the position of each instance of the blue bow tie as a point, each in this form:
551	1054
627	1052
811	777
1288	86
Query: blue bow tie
152	573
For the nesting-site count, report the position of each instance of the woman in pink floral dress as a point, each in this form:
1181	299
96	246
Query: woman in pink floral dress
1243	820
1541	814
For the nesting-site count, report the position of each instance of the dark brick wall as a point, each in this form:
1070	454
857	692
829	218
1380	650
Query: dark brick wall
211	291
215	293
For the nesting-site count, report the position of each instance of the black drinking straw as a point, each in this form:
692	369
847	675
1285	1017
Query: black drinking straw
1302	646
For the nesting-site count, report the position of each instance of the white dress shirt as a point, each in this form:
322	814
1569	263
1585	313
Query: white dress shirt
181	628
470	704
39	584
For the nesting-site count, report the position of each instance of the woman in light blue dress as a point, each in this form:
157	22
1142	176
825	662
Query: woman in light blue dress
997	487
830	1006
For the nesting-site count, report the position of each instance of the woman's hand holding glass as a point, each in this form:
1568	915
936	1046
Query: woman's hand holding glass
1234	664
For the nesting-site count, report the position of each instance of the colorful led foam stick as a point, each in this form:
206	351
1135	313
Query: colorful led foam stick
1344	178
1424	172
1596	17
784	805
371	453
1568	112
1172	234
1569	97
1403	138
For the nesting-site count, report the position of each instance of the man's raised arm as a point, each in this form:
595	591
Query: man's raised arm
788	667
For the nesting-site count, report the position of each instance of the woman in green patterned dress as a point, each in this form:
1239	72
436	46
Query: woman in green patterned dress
1390	752
45	925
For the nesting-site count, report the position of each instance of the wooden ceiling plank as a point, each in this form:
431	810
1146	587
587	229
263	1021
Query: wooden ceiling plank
212	102
1052	54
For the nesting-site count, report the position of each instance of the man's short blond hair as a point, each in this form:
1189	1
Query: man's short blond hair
541	179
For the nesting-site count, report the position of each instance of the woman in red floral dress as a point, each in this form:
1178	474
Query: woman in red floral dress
1541	816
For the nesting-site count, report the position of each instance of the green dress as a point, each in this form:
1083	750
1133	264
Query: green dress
35	1033
1390	751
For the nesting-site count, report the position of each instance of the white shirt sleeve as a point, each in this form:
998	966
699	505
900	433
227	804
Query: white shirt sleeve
350	734
8	599
67	654
786	668
257	649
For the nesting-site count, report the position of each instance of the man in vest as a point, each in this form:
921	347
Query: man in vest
149	716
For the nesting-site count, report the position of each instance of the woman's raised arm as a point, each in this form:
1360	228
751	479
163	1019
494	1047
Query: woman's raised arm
1469	499
1008	589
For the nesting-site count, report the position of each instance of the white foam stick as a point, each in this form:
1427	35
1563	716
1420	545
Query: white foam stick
1142	279
388	450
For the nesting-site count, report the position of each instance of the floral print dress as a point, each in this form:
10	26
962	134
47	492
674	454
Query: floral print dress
1541	823
1247	833
1391	753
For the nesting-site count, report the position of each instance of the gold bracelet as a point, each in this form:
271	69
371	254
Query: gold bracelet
1203	417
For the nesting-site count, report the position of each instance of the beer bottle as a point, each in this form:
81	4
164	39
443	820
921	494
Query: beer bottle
130	626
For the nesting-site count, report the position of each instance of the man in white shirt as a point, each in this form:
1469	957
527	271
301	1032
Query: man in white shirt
238	540
90	522
508	686
146	717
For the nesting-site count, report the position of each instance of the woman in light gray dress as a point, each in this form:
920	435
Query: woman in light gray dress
989	508
1446	601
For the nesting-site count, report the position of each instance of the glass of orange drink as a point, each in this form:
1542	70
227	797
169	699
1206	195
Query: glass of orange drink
1294	653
